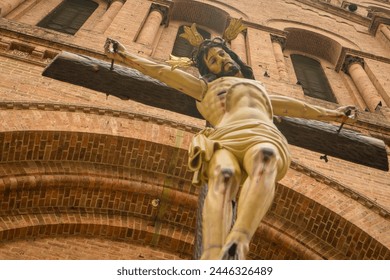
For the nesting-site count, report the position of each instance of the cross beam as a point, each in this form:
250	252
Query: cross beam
127	83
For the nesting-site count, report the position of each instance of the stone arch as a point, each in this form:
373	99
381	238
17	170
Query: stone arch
213	17
297	227
232	10
326	35
273	243
113	213
202	14
43	196
314	44
179	247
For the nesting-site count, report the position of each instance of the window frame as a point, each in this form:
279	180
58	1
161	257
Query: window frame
85	9
311	76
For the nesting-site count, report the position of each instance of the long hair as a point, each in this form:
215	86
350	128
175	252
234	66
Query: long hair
198	58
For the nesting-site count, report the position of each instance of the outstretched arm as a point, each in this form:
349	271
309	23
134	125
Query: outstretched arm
290	107
176	79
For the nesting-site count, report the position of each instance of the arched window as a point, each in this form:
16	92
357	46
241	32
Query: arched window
181	47
312	78
69	16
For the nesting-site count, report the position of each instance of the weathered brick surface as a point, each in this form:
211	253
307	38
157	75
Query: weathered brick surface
81	248
367	181
79	171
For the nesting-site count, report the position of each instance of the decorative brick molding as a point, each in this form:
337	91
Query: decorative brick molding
369	203
26	52
97	111
323	232
72	247
87	225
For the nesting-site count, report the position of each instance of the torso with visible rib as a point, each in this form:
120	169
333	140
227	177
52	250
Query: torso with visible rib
231	99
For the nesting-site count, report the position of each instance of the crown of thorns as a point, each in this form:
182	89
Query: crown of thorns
192	35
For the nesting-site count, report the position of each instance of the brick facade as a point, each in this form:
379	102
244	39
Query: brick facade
85	176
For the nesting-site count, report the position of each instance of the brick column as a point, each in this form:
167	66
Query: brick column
238	45
278	44
354	66
108	16
385	30
8	6
152	25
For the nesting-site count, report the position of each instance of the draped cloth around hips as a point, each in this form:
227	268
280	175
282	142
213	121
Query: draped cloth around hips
237	138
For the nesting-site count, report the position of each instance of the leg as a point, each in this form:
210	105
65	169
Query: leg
260	162
224	177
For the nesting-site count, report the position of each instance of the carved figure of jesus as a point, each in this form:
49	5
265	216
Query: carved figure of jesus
242	149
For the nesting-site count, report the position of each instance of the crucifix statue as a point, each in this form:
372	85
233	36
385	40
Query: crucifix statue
242	148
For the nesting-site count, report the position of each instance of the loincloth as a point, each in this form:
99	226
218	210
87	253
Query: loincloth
236	138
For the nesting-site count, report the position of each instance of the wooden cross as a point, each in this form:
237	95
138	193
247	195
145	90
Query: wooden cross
127	83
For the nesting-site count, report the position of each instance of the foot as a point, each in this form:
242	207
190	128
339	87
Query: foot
236	246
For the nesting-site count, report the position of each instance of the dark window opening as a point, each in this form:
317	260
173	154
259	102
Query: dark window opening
312	78
69	16
182	48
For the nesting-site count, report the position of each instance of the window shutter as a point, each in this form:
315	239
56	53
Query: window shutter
312	78
69	16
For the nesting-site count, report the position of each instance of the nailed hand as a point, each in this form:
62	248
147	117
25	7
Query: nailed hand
112	48
349	112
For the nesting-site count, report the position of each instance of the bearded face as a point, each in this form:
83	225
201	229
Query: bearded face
220	63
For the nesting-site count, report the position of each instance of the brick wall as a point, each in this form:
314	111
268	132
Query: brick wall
81	248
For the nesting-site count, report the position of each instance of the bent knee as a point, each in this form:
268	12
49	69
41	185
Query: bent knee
225	178
226	173
265	154
261	159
